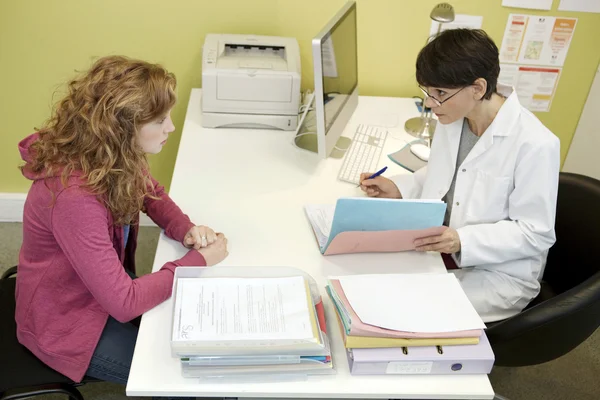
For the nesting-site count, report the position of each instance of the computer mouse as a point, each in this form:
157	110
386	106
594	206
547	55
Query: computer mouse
420	150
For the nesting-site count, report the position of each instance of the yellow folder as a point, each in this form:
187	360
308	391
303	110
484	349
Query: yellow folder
365	342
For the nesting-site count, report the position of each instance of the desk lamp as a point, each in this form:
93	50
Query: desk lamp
423	127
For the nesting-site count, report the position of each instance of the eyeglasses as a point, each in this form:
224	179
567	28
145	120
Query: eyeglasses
436	101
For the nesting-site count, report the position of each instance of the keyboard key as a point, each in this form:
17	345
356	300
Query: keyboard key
363	154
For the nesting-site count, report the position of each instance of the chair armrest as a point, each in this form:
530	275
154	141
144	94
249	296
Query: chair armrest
9	272
549	329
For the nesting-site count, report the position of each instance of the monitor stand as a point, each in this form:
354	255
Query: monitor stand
309	142
341	146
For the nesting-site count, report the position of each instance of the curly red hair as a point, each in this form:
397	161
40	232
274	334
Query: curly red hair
93	130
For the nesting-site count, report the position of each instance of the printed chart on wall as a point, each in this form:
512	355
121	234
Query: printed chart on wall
537	40
535	86
534	49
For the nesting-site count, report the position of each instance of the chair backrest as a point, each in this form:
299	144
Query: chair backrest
24	369
556	326
575	256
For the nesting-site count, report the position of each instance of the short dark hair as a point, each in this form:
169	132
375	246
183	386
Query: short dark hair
456	58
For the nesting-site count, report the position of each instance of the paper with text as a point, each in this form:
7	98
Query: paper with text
535	86
424	303
242	309
321	219
537	40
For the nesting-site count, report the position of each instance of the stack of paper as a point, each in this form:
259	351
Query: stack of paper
391	313
242	326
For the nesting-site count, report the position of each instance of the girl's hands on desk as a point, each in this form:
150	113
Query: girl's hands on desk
199	236
215	252
448	242
379	187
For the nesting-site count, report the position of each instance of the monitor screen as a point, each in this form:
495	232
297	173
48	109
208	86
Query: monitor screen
339	60
335	66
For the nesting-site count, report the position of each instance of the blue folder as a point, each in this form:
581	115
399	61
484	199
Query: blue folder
360	214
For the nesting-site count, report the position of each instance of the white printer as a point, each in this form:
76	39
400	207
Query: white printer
250	81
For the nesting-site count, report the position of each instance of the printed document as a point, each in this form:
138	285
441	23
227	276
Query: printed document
242	309
321	219
537	40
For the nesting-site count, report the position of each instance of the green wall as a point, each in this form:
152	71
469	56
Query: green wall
42	44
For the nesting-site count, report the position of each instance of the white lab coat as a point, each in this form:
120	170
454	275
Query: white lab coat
504	205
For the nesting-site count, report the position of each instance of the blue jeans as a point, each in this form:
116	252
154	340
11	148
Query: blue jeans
111	361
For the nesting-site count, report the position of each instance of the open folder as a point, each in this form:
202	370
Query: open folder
362	224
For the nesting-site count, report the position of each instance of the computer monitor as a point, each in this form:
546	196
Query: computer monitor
335	59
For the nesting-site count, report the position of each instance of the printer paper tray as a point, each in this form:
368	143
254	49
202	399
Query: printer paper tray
254	121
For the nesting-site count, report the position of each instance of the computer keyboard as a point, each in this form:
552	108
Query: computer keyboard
363	153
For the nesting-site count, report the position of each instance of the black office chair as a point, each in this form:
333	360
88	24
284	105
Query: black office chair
23	375
567	310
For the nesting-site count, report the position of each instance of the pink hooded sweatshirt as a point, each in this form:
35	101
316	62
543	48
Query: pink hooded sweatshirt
71	274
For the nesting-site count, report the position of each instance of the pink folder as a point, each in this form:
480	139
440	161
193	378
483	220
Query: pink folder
359	328
378	241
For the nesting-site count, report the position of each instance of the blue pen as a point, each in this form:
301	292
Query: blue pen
375	175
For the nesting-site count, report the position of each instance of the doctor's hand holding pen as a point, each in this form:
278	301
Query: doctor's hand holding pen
375	185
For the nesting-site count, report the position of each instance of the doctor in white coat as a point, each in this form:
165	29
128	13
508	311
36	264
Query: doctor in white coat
494	164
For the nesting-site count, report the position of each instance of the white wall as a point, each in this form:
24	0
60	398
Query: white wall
584	154
11	209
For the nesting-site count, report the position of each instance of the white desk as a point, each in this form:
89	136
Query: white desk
252	185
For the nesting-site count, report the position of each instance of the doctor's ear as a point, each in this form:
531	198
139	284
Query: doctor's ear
479	88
